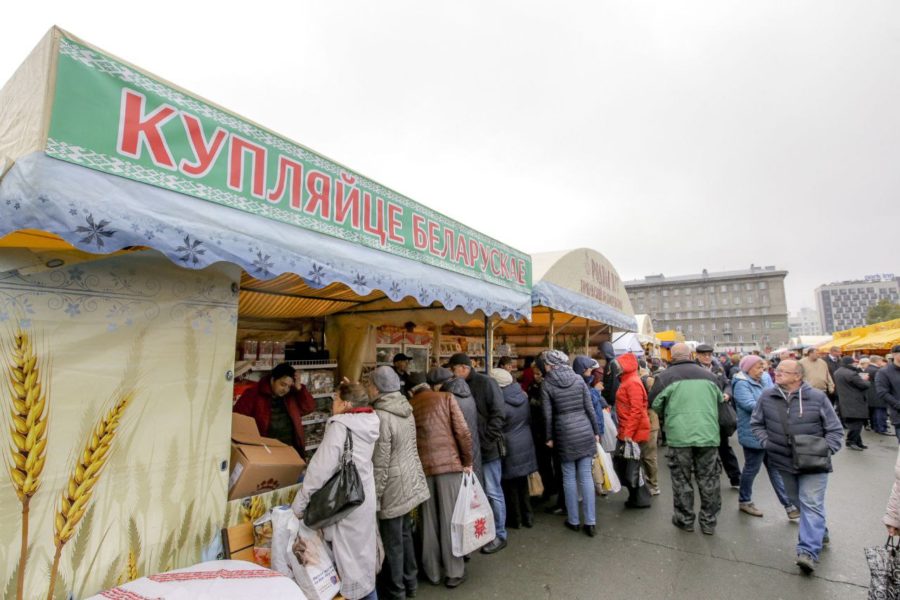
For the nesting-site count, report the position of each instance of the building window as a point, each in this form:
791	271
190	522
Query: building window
752	324
690	328
711	289
678	304
737	299
687	291
740	324
768	325
665	293
666	304
675	292
737	312
699	303
735	287
748	286
724	300
712	326
749	298
640	294
702	328
724	288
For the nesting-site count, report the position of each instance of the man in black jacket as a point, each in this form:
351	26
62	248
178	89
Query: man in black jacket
491	418
726	453
887	385
851	388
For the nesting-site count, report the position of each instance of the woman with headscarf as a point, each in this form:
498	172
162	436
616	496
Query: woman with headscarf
520	460
353	538
571	428
747	386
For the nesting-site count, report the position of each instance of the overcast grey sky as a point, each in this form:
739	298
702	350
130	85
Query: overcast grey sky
671	136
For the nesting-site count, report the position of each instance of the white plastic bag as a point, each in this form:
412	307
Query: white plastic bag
610	433
472	524
285	526
314	571
614	486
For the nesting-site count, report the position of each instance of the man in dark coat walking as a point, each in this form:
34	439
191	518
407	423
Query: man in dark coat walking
851	389
807	412
726	453
877	406
887	385
491	417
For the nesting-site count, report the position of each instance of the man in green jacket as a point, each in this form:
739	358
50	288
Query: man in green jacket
686	397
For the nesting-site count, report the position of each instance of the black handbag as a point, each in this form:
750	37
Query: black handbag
809	453
727	418
340	495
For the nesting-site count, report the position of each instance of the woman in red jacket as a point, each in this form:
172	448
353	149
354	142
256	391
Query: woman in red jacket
632	409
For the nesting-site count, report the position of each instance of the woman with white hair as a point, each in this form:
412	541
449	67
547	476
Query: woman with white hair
571	428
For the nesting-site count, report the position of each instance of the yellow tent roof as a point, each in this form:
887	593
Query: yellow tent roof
670	336
878	340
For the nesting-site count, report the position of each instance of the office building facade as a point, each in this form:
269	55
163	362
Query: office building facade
731	310
846	304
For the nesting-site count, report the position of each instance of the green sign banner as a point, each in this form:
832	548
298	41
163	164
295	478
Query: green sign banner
109	117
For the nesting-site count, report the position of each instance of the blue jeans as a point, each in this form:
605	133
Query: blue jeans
373	595
754	459
807	492
493	472
580	469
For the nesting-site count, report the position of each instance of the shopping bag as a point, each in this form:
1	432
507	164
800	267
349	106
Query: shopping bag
611	481
884	568
535	485
599	475
472	524
627	463
285	526
312	565
610	433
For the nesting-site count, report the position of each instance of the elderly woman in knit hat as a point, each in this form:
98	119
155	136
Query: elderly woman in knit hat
571	428
520	460
747	386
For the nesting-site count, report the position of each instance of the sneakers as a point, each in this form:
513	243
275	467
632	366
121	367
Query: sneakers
826	540
855	447
793	513
689	527
806	563
453	582
708	529
496	546
654	491
750	509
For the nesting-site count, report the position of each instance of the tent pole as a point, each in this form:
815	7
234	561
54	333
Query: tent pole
488	344
552	332
436	350
587	337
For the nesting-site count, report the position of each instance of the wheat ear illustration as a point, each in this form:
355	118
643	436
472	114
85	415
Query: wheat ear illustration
28	429
88	467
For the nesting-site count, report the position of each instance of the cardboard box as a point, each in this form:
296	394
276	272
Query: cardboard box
259	464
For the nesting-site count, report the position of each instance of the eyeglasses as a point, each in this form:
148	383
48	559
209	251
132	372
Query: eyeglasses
780	372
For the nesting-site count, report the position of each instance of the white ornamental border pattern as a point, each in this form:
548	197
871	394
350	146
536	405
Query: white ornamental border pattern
117	166
110	67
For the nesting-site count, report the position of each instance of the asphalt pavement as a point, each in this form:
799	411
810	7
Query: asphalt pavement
638	553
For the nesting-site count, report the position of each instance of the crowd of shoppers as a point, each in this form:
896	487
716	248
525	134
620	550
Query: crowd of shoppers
415	436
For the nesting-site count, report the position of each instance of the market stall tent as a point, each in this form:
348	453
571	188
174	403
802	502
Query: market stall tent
580	289
138	222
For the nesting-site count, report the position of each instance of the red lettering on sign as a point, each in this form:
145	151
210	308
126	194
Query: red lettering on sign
137	129
205	151
318	186
296	177
238	146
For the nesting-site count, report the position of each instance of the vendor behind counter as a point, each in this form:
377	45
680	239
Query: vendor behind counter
278	406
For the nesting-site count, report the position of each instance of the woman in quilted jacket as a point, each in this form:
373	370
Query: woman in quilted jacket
631	404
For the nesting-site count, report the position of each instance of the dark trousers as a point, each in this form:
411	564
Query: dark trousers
729	461
854	431
518	501
399	571
878	417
